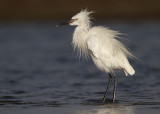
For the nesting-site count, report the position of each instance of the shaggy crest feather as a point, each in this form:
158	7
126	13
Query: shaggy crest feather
84	17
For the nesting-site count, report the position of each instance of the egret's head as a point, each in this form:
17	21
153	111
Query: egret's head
82	18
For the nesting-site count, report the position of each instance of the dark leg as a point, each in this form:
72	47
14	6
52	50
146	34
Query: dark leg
108	85
115	84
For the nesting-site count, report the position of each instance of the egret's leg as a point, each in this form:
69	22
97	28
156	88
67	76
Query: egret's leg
108	85
115	84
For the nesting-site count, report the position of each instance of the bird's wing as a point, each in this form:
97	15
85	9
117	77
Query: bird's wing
104	41
97	49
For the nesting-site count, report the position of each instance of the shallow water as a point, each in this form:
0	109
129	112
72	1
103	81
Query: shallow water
40	73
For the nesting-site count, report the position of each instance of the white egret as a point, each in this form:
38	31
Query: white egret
100	43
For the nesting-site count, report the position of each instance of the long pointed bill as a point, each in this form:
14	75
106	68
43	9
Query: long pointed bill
66	23
62	24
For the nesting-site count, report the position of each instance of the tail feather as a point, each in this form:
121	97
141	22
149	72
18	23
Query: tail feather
126	73
129	70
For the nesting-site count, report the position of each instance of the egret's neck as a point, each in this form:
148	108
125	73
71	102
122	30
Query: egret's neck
82	27
80	36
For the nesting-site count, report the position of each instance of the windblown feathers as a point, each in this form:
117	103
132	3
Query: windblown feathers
101	44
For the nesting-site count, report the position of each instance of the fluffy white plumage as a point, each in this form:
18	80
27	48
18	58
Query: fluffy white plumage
107	53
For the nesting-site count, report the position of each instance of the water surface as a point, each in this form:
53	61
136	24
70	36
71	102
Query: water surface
40	73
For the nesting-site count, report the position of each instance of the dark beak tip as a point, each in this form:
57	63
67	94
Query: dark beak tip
58	25
61	24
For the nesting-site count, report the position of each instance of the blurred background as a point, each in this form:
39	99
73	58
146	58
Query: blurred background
38	67
58	9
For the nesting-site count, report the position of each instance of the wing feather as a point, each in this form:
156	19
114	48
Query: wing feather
97	49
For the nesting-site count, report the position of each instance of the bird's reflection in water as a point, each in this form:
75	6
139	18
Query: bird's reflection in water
108	110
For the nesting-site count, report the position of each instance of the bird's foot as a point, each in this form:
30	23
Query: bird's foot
105	101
